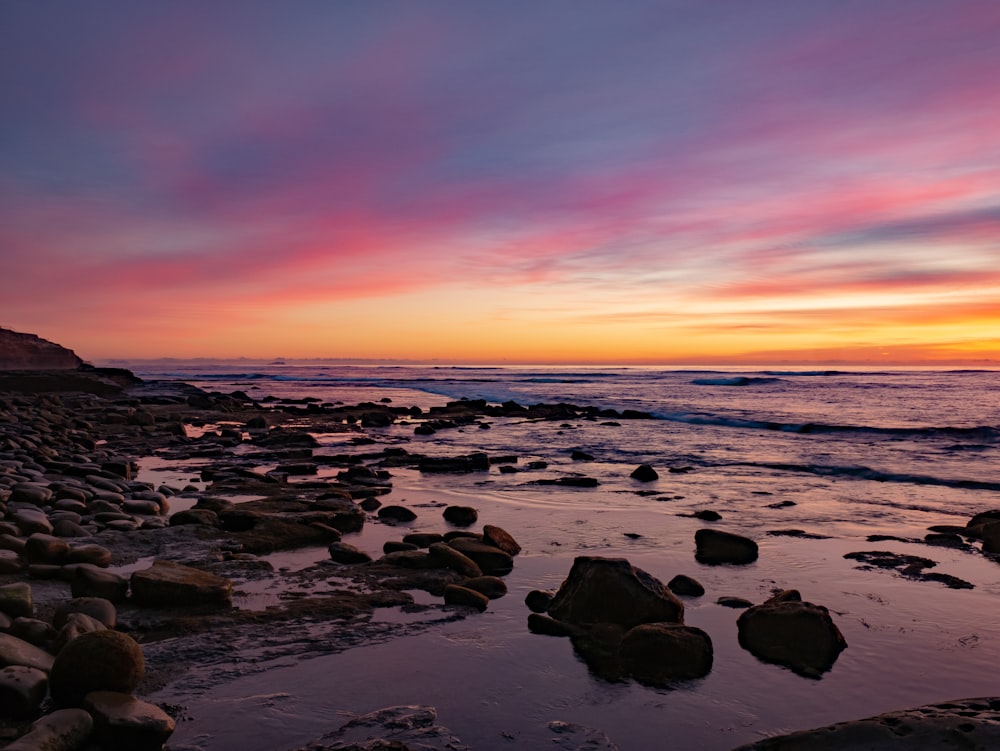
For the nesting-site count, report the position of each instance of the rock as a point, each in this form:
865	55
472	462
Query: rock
787	631
14	651
737	603
991	537
685	585
62	730
538	600
396	514
30	492
500	538
98	555
30	521
578	455
403	728
90	581
971	724
75	625
644	473
461	516
543	624
477	462
411	559
455	594
15	600
492	586
22	690
96	607
714	547
11	542
10	562
707	515
124	723
395	546
612	590
68	528
658	653
573	737
97	661
33	631
422	539
169	584
342	552
491	560
455	560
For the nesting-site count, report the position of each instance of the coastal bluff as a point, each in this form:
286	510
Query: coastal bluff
30	352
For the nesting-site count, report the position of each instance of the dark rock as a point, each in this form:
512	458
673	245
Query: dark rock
16	601
543	624
423	539
492	586
96	607
90	581
169	584
685	585
411	559
75	625
491	560
500	538
14	651
98	661
461	516
395	546
658	653
342	552
370	504
644	473
476	462
202	516
455	560
97	555
22	690
62	730
538	600
737	603
612	590
44	548
787	631
707	515
124	723
32	630
581	456
455	594
971	724
396	514
714	547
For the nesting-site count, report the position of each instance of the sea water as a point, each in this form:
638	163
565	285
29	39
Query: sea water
841	454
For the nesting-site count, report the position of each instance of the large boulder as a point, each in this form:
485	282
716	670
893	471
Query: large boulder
169	584
612	590
96	661
713	546
22	690
787	631
658	653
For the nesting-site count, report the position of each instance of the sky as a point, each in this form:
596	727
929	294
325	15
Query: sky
519	181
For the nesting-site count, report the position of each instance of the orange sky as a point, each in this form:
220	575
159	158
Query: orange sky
776	182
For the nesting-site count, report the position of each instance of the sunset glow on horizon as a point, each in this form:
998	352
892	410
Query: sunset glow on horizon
654	182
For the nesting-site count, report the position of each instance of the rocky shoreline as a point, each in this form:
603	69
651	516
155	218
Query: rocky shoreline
111	588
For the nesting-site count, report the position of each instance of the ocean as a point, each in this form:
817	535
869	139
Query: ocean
808	462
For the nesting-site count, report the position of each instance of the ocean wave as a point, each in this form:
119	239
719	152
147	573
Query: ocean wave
734	381
982	434
867	473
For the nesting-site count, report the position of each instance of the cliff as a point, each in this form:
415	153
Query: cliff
29	352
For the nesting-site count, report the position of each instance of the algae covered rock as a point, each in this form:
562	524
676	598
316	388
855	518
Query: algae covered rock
96	661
